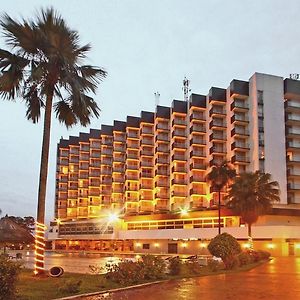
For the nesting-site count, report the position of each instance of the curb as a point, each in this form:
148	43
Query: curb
80	296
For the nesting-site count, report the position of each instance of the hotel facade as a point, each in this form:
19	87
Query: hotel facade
140	185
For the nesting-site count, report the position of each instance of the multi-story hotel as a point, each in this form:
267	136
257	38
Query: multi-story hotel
140	185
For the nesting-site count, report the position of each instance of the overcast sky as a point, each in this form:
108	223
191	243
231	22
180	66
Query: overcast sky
147	46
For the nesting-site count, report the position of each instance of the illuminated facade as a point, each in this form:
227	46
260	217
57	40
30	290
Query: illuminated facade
151	169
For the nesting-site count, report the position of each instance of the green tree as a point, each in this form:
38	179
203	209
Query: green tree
44	68
218	177
252	195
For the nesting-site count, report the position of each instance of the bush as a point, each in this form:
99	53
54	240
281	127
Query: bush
193	266
70	286
8	276
226	247
154	267
232	262
264	255
174	266
214	265
259	255
126	272
244	258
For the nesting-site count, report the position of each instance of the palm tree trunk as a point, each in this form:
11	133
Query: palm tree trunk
40	225
219	211
250	240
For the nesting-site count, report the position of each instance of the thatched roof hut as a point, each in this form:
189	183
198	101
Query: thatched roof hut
11	232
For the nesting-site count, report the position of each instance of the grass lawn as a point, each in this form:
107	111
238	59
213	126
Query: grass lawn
30	287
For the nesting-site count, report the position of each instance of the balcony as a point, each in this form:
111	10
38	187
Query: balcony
179	157
132	167
178	181
162	183
74	151
132	155
95	154
161	160
119	159
197	116
147	152
292	173
292	160
106	162
63	187
217	111
162	137
240	159
132	135
240	132
239	106
118	169
197	192
197	166
119	138
293	186
146	130
92	174
161	196
163	172
217	124
145	163
146	186
107	151
198	128
162	149
132	177
197	178
162	126
133	145
118	190
119	148
292	146
95	183
106	171
217	137
95	144
146	174
178	121
217	150
178	145
197	141
74	159
147	141
178	193
197	153
239	119
180	133
292	106
119	179
215	162
240	146
95	163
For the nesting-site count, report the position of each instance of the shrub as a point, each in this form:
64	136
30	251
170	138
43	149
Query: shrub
70	286
193	266
232	262
226	247
125	272
8	276
264	255
154	267
174	266
244	258
214	265
259	255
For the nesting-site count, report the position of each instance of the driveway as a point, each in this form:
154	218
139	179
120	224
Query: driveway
277	279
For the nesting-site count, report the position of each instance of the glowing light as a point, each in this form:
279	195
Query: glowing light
242	225
138	244
203	245
39	247
246	245
113	217
297	246
156	245
183	211
271	246
58	221
184	245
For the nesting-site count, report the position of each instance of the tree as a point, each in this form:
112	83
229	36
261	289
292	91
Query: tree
226	247
252	195
44	67
218	177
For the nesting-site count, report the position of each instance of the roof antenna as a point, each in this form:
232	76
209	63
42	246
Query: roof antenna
157	96
186	89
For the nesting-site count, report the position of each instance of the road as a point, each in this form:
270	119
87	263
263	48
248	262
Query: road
277	279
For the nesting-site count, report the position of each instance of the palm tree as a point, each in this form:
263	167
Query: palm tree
218	177
44	67
252	195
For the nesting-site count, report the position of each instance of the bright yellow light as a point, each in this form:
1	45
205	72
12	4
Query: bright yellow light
297	246
113	217
246	245
138	244
156	245
58	221
203	245
183	211
184	245
271	246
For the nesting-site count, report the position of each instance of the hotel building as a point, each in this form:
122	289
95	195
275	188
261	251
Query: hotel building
151	172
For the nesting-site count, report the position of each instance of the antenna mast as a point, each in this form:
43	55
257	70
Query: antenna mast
186	89
157	96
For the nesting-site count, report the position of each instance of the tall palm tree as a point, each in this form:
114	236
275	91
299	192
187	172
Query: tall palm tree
44	68
252	195
218	177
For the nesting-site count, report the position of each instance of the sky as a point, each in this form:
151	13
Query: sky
146	46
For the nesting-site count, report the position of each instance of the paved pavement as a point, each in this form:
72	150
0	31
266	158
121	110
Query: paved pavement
277	279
